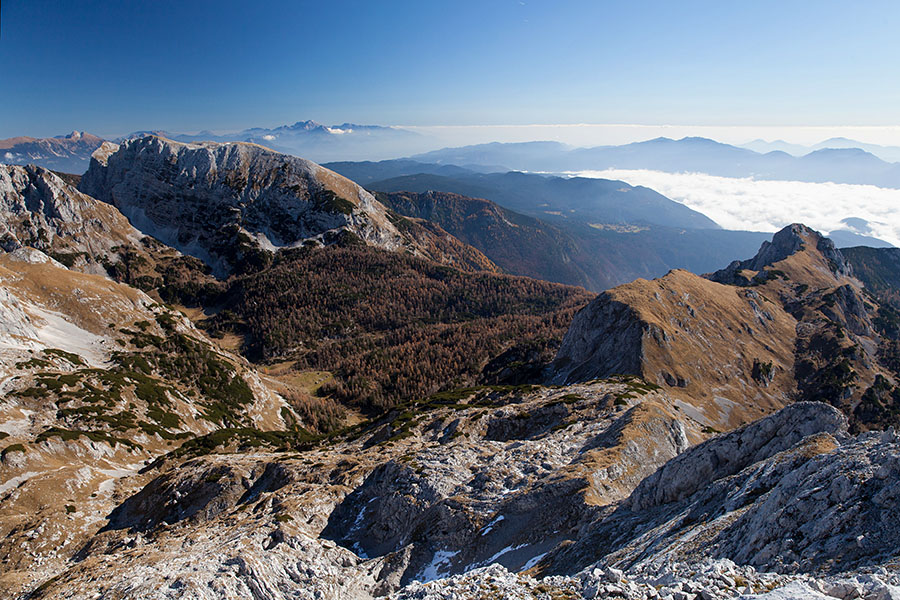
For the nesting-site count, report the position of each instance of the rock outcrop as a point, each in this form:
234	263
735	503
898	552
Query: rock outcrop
40	210
725	455
436	489
787	242
425	505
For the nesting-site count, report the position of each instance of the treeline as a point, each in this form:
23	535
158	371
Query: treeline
390	326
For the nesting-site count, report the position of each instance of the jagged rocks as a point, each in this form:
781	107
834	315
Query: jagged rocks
514	519
40	210
727	454
790	240
819	506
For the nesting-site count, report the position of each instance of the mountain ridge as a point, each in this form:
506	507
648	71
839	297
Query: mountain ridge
790	324
69	153
175	467
222	193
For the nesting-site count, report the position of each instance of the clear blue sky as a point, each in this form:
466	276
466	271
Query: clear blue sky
117	66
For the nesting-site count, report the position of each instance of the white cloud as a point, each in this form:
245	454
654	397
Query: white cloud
759	205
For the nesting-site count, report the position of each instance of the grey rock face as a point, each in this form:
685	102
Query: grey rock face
831	513
727	454
605	338
40	210
221	202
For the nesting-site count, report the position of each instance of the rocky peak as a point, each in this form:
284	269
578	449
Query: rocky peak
226	202
788	324
790	241
698	338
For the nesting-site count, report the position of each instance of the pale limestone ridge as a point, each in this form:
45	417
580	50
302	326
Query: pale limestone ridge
221	201
363	517
807	513
820	506
727	454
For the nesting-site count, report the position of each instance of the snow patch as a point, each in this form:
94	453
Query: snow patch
56	332
17	481
490	526
796	590
506	550
533	561
439	566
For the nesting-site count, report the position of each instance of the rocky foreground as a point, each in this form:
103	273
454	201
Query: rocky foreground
519	494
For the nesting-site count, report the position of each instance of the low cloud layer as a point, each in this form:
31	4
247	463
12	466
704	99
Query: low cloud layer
759	205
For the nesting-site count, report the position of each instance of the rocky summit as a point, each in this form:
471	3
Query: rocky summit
208	392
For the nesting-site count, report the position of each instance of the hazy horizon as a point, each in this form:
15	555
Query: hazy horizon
584	134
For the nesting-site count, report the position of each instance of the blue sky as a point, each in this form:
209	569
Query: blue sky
115	67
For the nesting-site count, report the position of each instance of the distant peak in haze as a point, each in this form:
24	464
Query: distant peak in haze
885	153
67	153
307	125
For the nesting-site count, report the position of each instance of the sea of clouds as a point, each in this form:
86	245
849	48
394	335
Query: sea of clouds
761	205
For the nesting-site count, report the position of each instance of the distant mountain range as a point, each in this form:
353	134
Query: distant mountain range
66	153
576	199
482	171
308	139
885	153
314	141
597	256
836	160
692	154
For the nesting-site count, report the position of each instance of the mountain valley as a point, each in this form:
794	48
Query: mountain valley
599	233
231	373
